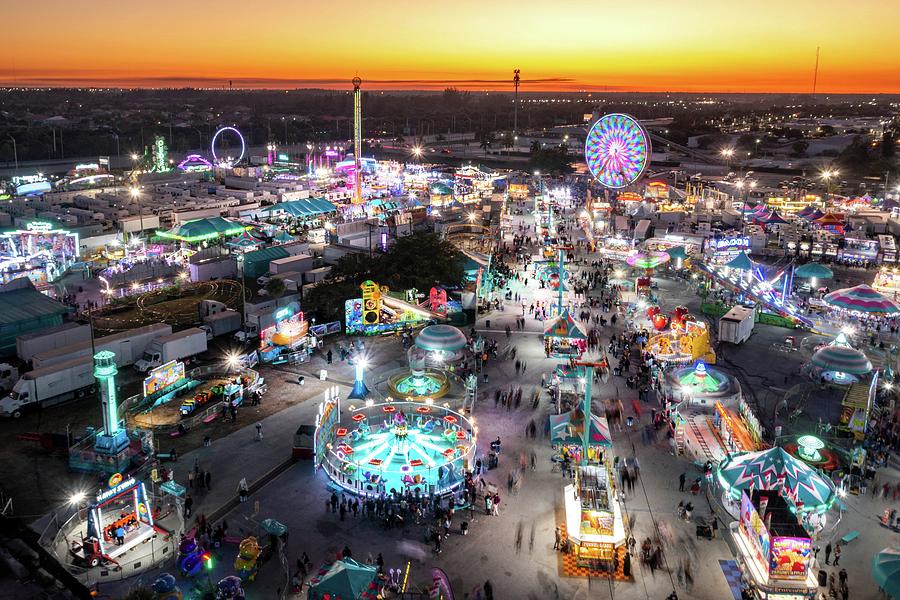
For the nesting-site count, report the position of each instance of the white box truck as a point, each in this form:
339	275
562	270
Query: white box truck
50	385
736	325
292	281
221	323
50	339
177	346
300	263
128	346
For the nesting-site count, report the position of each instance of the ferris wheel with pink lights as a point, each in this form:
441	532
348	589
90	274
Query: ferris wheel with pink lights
617	150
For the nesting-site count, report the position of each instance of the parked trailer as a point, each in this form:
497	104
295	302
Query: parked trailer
128	346
45	340
736	325
221	323
49	386
177	346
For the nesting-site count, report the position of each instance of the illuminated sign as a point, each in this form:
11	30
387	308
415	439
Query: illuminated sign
163	376
754	530
39	226
115	491
283	313
30	189
790	558
87	167
284	157
730	243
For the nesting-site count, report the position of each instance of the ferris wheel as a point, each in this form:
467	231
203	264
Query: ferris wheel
617	150
219	159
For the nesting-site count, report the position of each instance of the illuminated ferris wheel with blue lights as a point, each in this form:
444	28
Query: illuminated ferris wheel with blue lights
617	150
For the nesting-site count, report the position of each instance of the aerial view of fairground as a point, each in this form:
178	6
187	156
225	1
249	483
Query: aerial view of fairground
540	303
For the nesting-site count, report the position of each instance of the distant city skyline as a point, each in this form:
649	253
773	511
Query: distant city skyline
703	46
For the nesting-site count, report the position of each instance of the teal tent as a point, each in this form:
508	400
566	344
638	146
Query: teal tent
740	262
344	580
886	571
813	271
203	229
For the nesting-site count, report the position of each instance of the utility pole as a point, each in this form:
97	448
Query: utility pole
516	101
15	152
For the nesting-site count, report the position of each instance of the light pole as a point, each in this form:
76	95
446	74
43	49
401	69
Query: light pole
135	196
15	152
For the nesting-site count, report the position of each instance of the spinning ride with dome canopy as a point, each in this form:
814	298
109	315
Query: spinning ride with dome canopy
439	344
617	150
400	445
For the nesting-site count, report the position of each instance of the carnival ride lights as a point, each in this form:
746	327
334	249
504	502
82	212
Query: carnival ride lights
226	161
701	378
617	150
195	162
399	445
808	448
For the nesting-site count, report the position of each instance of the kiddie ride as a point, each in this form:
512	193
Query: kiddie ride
686	341
105	539
246	563
288	340
192	557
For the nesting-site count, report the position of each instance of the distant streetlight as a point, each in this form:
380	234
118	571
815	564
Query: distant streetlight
136	196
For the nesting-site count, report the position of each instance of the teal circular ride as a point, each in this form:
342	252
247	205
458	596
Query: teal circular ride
399	446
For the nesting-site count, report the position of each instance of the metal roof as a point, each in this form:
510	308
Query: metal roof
26	304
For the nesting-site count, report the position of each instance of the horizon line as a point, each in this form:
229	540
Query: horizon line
384	85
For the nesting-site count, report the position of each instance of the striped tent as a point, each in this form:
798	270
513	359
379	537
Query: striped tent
775	469
842	359
862	298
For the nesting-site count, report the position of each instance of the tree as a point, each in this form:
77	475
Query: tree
485	140
799	147
275	288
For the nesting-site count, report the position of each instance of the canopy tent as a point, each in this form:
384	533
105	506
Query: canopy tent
274	527
841	359
568	428
282	237
200	230
830	219
813	271
305	208
773	218
676	253
861	298
805	210
816	214
344	580
886	571
740	262
565	326
244	240
775	469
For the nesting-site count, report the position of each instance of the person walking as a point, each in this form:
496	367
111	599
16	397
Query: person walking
188	505
259	432
827	553
837	554
207	479
191	479
681	479
558	539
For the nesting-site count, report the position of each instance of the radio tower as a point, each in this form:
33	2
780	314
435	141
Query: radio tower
816	73
516	101
357	138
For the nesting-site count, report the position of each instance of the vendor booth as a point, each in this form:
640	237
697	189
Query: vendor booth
565	337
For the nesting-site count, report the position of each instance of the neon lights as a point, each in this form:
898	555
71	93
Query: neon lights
222	161
195	162
160	156
163	376
617	150
357	137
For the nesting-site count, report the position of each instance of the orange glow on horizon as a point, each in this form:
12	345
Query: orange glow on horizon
581	45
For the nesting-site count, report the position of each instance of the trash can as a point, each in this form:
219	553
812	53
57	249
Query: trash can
823	578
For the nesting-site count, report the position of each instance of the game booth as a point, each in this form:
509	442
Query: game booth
594	523
775	552
394	446
564	337
810	493
567	435
123	507
288	340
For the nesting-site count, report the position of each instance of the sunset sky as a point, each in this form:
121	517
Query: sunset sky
650	45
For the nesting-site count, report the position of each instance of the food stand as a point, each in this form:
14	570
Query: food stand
593	517
775	551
